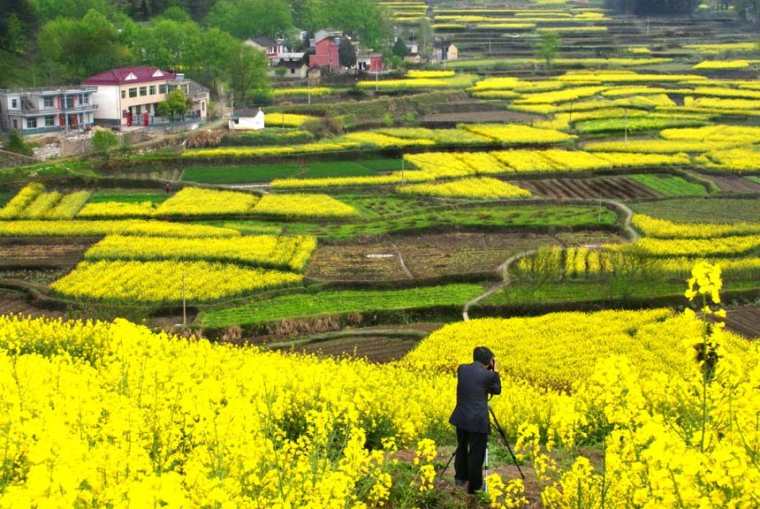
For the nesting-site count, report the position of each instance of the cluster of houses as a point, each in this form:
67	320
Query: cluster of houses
119	98
322	53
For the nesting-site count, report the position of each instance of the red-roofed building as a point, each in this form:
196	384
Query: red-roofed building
129	96
326	54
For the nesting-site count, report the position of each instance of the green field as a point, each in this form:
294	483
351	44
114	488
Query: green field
670	185
754	179
336	302
4	197
240	174
702	210
527	294
501	217
634	124
128	196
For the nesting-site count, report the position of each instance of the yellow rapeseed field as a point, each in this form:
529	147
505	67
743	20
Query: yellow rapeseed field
483	187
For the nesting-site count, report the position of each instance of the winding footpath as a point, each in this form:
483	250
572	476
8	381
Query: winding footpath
628	229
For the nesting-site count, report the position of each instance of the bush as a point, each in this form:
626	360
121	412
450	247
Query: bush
325	126
268	136
16	143
103	141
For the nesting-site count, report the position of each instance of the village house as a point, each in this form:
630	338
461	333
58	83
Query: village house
445	50
326	54
370	62
38	110
274	49
130	96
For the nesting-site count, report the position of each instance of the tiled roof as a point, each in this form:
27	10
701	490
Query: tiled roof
126	75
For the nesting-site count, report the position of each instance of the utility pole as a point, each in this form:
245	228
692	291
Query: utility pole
184	303
626	125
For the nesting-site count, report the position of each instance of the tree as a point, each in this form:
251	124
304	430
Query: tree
346	53
548	45
249	18
248	75
175	105
16	143
104	141
51	9
425	39
399	48
74	49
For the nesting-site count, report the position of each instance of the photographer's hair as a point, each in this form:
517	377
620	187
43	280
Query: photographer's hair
483	355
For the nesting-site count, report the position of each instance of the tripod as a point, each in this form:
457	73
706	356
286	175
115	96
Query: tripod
506	442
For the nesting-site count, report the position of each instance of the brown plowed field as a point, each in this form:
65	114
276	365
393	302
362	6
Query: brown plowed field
745	320
41	255
620	188
735	184
373	348
15	303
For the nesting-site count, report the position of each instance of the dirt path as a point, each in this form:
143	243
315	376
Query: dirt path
628	229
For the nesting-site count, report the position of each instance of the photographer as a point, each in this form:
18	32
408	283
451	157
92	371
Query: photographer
475	382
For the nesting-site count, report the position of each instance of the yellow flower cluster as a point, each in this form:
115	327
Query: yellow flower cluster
736	159
518	134
166	281
296	91
396	177
78	228
287	119
456	81
265	250
724	47
111	415
662	228
417	74
720	132
721	64
268	151
617	76
717	246
32	202
303	205
114	209
560	96
558	349
488	188
192	201
656	146
384	141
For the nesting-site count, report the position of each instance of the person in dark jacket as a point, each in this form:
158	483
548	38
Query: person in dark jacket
475	382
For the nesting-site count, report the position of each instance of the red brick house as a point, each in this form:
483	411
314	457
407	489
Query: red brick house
326	54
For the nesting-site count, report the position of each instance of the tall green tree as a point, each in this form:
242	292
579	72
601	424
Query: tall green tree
250	18
547	47
346	53
47	10
175	105
74	49
248	75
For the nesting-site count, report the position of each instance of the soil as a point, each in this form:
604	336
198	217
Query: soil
735	184
478	116
379	349
431	256
16	303
745	320
620	188
18	255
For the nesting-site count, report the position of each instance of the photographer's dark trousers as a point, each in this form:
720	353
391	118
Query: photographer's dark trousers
468	463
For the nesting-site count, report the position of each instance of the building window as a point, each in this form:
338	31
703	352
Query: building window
48	102
85	99
15	123
31	123
50	121
69	102
132	92
123	94
143	91
153	90
14	104
162	89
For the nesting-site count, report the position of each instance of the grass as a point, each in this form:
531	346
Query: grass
337	302
754	179
127	196
529	294
4	197
634	124
702	210
501	217
42	170
670	185
240	174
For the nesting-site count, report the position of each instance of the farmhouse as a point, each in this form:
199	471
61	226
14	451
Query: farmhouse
326	54
129	96
37	110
